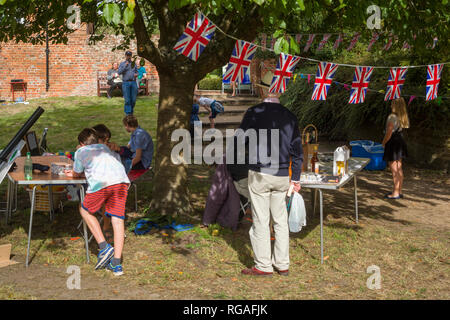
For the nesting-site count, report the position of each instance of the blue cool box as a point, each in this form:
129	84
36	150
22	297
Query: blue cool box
369	149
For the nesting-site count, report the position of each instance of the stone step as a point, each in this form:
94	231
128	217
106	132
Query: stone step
222	130
223	120
230	109
222	94
227	99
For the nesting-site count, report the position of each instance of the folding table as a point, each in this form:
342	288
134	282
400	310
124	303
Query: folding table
48	179
355	165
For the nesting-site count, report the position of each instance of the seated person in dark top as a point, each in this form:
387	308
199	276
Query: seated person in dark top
114	79
239	173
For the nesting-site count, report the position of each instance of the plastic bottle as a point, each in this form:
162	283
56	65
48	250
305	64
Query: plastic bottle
28	167
314	161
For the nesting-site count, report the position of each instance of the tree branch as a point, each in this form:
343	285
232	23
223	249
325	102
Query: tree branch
145	45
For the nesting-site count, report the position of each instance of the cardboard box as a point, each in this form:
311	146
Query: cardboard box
5	255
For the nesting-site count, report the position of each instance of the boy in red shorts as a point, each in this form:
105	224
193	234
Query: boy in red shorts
107	185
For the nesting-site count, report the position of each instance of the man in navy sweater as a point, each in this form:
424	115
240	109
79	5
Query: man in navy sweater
268	181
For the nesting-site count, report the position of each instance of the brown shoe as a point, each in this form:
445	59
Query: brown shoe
255	272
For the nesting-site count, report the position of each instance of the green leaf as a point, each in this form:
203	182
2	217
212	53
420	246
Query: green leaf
259	2
128	16
116	14
278	33
2	1
294	46
284	45
277	46
108	12
301	4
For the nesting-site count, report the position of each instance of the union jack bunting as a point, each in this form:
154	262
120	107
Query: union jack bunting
323	41
354	41
239	61
434	72
324	77
284	70
395	82
375	37
309	42
195	37
406	45
361	79
272	43
388	44
339	39
263	41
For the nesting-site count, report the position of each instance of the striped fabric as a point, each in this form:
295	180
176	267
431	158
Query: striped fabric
114	197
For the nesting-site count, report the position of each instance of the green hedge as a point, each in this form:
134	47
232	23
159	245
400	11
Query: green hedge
213	83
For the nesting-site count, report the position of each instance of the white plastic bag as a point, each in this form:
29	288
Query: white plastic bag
297	213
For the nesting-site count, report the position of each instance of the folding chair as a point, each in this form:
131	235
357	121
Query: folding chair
133	175
244	204
246	84
225	83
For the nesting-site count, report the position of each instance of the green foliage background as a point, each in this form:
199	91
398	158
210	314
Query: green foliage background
339	120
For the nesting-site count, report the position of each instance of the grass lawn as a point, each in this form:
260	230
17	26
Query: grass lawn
66	117
407	239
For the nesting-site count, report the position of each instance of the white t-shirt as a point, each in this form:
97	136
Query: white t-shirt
100	166
394	120
205	101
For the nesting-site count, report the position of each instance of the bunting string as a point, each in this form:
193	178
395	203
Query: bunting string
340	64
200	30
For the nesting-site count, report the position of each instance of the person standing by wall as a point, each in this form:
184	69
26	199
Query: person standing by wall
129	72
268	182
395	146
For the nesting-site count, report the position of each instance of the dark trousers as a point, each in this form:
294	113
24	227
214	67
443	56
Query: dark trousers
113	86
127	157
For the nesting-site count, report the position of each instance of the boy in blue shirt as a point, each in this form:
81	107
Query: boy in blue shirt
138	153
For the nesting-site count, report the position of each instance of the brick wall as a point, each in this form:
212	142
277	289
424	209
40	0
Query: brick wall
72	68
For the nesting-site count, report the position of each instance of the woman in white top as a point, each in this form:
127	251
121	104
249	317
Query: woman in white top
395	146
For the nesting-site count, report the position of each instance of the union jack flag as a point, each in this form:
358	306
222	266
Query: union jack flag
361	79
433	77
284	70
240	61
195	37
395	82
324	77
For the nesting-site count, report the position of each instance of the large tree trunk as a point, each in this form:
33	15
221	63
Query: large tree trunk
170	192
